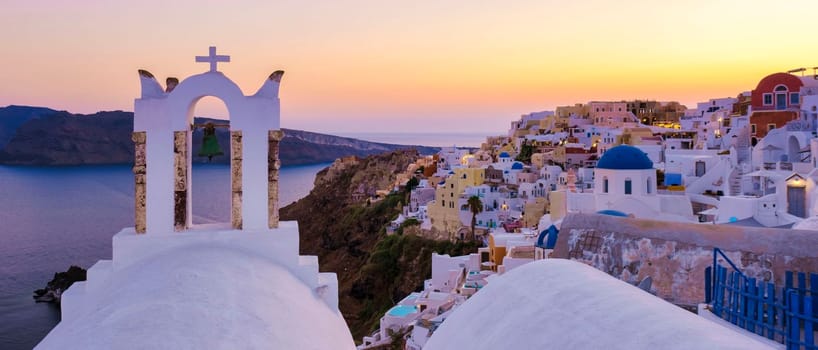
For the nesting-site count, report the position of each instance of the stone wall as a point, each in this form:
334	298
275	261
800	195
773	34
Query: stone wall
675	255
139	175
273	165
180	171
235	179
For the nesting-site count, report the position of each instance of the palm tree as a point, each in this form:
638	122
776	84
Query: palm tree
476	207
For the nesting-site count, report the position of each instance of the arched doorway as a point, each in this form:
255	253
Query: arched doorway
793	149
210	173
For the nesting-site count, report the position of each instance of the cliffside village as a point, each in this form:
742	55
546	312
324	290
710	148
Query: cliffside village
743	161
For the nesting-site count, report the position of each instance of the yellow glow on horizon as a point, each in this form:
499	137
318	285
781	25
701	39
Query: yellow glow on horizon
373	65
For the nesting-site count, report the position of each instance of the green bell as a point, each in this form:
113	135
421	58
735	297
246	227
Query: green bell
210	144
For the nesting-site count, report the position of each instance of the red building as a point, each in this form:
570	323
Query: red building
775	101
779	91
762	122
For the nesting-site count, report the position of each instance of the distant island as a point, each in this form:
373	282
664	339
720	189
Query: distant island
44	136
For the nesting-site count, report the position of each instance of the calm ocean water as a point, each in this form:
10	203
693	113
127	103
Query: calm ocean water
54	217
425	139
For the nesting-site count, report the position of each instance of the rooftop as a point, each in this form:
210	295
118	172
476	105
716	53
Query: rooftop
624	157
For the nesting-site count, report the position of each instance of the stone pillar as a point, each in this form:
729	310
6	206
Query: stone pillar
139	174
273	164
235	178
180	182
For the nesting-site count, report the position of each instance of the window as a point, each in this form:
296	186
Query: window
780	88
768	99
647	189
628	189
794	98
605	184
770	127
753	129
443	203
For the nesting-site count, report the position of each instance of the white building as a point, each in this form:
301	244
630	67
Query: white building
624	181
545	305
172	284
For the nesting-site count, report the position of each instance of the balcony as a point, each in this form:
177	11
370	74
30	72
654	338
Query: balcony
778	166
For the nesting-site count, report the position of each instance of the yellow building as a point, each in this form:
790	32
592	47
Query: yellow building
557	205
638	136
538	160
578	109
444	212
564	113
533	211
548	123
496	253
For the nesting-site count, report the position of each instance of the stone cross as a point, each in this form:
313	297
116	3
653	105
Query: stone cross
213	59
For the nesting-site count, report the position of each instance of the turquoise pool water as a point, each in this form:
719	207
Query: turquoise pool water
402	310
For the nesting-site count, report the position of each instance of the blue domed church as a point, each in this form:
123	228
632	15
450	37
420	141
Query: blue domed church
625	181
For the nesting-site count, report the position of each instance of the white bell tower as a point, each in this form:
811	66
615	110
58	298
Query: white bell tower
163	119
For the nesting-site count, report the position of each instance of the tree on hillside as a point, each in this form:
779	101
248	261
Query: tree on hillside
412	183
476	207
526	150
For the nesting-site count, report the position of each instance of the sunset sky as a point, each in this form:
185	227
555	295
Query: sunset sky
420	66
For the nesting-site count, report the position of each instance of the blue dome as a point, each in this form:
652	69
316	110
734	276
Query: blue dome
551	234
624	157
517	166
504	155
612	213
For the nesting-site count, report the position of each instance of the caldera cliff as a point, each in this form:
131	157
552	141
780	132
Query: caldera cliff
42	136
345	227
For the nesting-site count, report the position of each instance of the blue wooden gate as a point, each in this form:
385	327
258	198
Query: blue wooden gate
787	314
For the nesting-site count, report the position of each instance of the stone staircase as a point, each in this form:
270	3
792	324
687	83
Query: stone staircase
735	181
743	148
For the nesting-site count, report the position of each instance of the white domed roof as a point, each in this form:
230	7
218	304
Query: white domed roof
205	297
564	304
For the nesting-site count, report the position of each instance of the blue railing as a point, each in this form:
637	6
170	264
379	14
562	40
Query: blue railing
787	314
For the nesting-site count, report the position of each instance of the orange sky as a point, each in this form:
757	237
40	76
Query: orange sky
424	66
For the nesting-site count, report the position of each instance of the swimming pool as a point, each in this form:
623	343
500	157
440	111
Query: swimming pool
402	310
409	297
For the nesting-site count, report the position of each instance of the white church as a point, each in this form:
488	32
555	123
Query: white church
624	185
175	285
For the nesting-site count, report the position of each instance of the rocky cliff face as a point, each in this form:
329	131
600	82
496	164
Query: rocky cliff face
65	139
346	231
12	117
40	136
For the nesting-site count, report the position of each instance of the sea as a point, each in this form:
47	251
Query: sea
55	217
463	139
